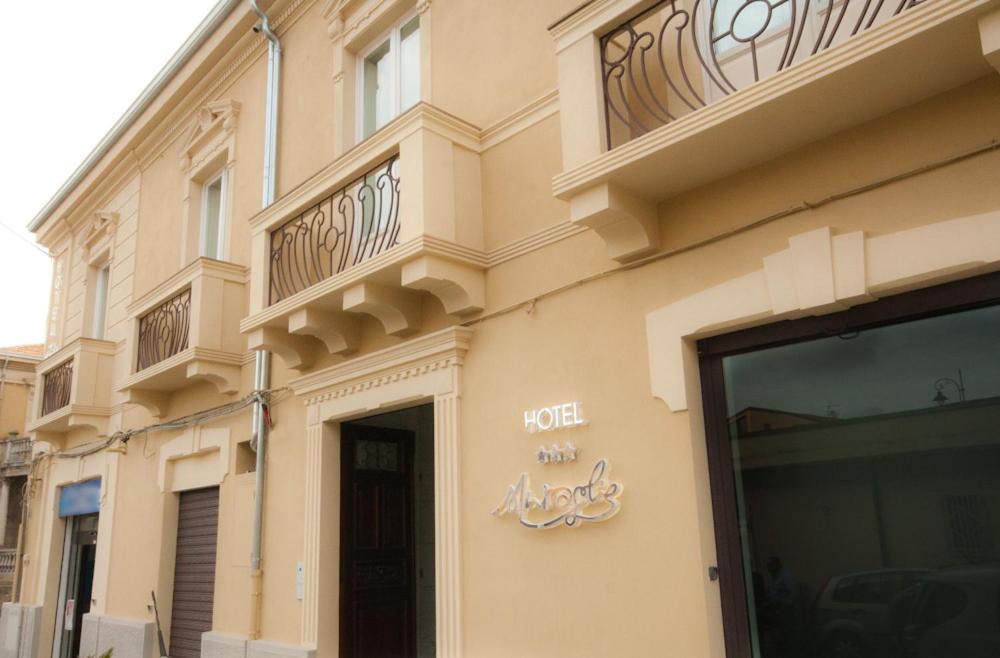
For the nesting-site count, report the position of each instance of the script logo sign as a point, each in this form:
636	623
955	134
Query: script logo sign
594	501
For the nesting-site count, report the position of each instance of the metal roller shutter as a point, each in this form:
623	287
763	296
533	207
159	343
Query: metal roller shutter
194	572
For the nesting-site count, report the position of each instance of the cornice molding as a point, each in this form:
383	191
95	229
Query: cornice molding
101	234
411	358
534	241
421	246
593	17
520	120
199	267
213	121
241	56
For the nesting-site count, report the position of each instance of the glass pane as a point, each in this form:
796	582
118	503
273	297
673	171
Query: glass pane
377	82
376	456
210	243
738	22
867	468
409	55
100	302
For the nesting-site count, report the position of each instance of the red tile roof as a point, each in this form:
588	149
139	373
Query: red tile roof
28	350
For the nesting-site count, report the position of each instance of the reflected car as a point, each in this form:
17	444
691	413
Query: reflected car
954	614
852	615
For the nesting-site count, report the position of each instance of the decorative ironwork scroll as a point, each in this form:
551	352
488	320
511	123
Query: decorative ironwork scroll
681	55
355	223
56	387
163	331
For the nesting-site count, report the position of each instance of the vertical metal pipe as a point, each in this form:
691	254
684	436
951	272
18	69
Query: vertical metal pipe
262	359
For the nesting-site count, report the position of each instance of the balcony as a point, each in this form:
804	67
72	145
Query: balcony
661	97
15	455
75	386
395	218
184	330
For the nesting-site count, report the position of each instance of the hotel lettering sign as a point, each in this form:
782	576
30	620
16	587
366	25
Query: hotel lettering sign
546	419
596	499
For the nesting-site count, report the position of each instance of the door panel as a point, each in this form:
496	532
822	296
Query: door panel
378	587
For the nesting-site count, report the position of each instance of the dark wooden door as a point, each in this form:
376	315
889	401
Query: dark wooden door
378	588
194	571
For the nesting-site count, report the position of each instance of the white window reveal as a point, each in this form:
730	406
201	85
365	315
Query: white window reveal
213	225
389	76
99	310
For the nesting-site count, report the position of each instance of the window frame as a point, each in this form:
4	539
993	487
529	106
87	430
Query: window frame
99	300
222	178
966	294
393	36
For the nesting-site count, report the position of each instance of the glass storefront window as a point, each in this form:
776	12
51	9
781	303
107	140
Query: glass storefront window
866	467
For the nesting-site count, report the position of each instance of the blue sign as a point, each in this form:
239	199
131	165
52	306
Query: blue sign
80	498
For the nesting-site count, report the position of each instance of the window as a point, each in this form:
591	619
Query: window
99	301
942	602
389	76
738	22
213	225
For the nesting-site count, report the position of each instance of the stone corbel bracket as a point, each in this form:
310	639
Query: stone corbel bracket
155	402
627	224
461	288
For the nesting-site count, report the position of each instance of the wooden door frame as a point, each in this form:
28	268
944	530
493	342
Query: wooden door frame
942	299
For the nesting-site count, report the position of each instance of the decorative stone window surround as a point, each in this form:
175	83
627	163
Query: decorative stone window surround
209	149
353	25
820	272
99	240
616	192
98	252
196	459
427	368
215	348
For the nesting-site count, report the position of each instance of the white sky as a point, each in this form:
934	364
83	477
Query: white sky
72	70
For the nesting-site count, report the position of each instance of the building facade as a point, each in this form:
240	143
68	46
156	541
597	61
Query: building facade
626	328
17	391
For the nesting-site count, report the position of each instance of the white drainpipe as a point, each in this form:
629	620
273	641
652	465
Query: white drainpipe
262	360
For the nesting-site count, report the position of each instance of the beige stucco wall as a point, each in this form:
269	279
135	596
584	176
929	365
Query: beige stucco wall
16	396
627	587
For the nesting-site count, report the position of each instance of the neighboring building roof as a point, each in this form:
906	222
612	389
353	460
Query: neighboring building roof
33	352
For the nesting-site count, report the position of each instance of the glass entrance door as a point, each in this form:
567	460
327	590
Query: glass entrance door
862	475
76	583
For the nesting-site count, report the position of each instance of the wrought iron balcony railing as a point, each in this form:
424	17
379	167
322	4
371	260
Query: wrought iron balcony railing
681	55
355	223
163	332
7	561
57	387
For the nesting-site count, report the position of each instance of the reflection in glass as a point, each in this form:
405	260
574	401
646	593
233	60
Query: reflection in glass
869	507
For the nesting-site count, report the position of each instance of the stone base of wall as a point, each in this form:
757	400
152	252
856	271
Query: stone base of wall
129	638
220	645
20	626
